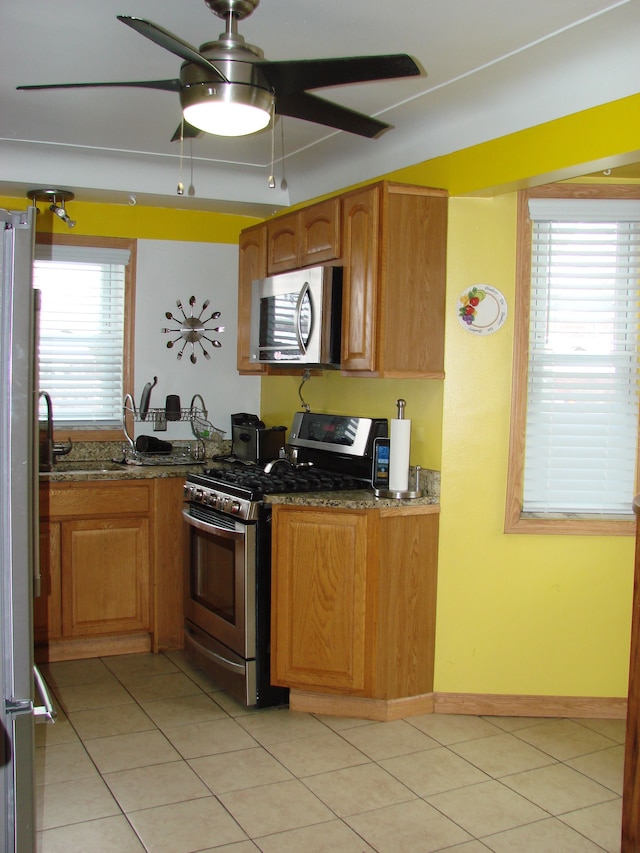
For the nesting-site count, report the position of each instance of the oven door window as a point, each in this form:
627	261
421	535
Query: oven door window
221	583
213	576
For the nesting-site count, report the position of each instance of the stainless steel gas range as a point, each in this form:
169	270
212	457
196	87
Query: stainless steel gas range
228	583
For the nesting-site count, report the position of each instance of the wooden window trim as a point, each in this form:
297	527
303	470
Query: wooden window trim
129	322
515	520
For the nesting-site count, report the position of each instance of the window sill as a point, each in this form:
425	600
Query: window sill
571	524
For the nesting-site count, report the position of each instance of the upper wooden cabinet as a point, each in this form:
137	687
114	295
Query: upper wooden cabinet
361	236
391	240
306	237
252	264
394	247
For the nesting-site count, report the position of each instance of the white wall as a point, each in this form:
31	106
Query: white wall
172	270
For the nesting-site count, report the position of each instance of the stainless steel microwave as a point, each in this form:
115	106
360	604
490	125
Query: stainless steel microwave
296	318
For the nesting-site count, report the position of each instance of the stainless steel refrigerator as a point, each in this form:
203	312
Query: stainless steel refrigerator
19	573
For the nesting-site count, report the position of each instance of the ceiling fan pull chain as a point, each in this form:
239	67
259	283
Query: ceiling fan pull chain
272	180
192	189
180	184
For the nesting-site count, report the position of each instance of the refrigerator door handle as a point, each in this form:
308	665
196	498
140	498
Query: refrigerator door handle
18	706
44	713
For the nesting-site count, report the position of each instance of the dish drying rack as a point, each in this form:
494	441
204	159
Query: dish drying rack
182	452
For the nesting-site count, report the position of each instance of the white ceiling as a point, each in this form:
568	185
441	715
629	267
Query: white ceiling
493	67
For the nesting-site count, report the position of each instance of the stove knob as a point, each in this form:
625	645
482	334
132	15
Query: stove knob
198	496
234	509
187	491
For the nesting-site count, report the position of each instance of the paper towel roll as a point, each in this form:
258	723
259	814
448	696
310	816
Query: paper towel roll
399	456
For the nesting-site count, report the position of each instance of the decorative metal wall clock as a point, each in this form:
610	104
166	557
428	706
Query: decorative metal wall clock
193	329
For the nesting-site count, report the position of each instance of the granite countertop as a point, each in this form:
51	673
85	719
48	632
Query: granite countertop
365	498
93	461
357	499
106	469
109	460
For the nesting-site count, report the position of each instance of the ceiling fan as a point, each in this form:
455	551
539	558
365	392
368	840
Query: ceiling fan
228	88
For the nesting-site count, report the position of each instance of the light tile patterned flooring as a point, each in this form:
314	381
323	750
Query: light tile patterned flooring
149	755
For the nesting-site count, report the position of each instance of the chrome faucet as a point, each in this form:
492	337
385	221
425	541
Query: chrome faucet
46	446
289	457
49	450
268	468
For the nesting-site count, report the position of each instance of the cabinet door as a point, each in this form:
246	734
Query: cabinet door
360	244
319	227
319	602
252	263
105	576
47	615
411	290
304	238
282	244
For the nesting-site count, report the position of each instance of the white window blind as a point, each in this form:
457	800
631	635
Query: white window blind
81	332
582	395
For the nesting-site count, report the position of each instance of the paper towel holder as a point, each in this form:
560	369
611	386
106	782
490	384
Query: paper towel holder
396	496
405	494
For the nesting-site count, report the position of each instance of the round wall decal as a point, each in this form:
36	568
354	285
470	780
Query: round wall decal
481	309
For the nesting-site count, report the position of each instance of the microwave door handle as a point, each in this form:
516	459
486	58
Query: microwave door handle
304	291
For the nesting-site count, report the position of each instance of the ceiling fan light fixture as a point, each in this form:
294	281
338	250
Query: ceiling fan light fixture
227	109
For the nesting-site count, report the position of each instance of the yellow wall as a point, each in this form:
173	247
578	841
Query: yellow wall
516	613
523	614
332	392
564	148
520	613
143	223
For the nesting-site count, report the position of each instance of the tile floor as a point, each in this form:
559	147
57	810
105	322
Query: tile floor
149	755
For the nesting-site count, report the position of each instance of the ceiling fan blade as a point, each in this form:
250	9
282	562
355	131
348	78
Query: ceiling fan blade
311	108
298	75
188	132
165	85
172	43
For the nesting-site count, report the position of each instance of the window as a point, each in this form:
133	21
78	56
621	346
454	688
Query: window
86	330
574	430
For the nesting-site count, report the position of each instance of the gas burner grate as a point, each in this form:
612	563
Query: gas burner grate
283	481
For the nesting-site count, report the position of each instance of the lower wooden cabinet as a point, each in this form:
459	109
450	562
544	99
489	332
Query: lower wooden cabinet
320	599
105	576
353	604
111	565
47	607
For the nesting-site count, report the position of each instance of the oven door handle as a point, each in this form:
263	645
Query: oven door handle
209	527
209	653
